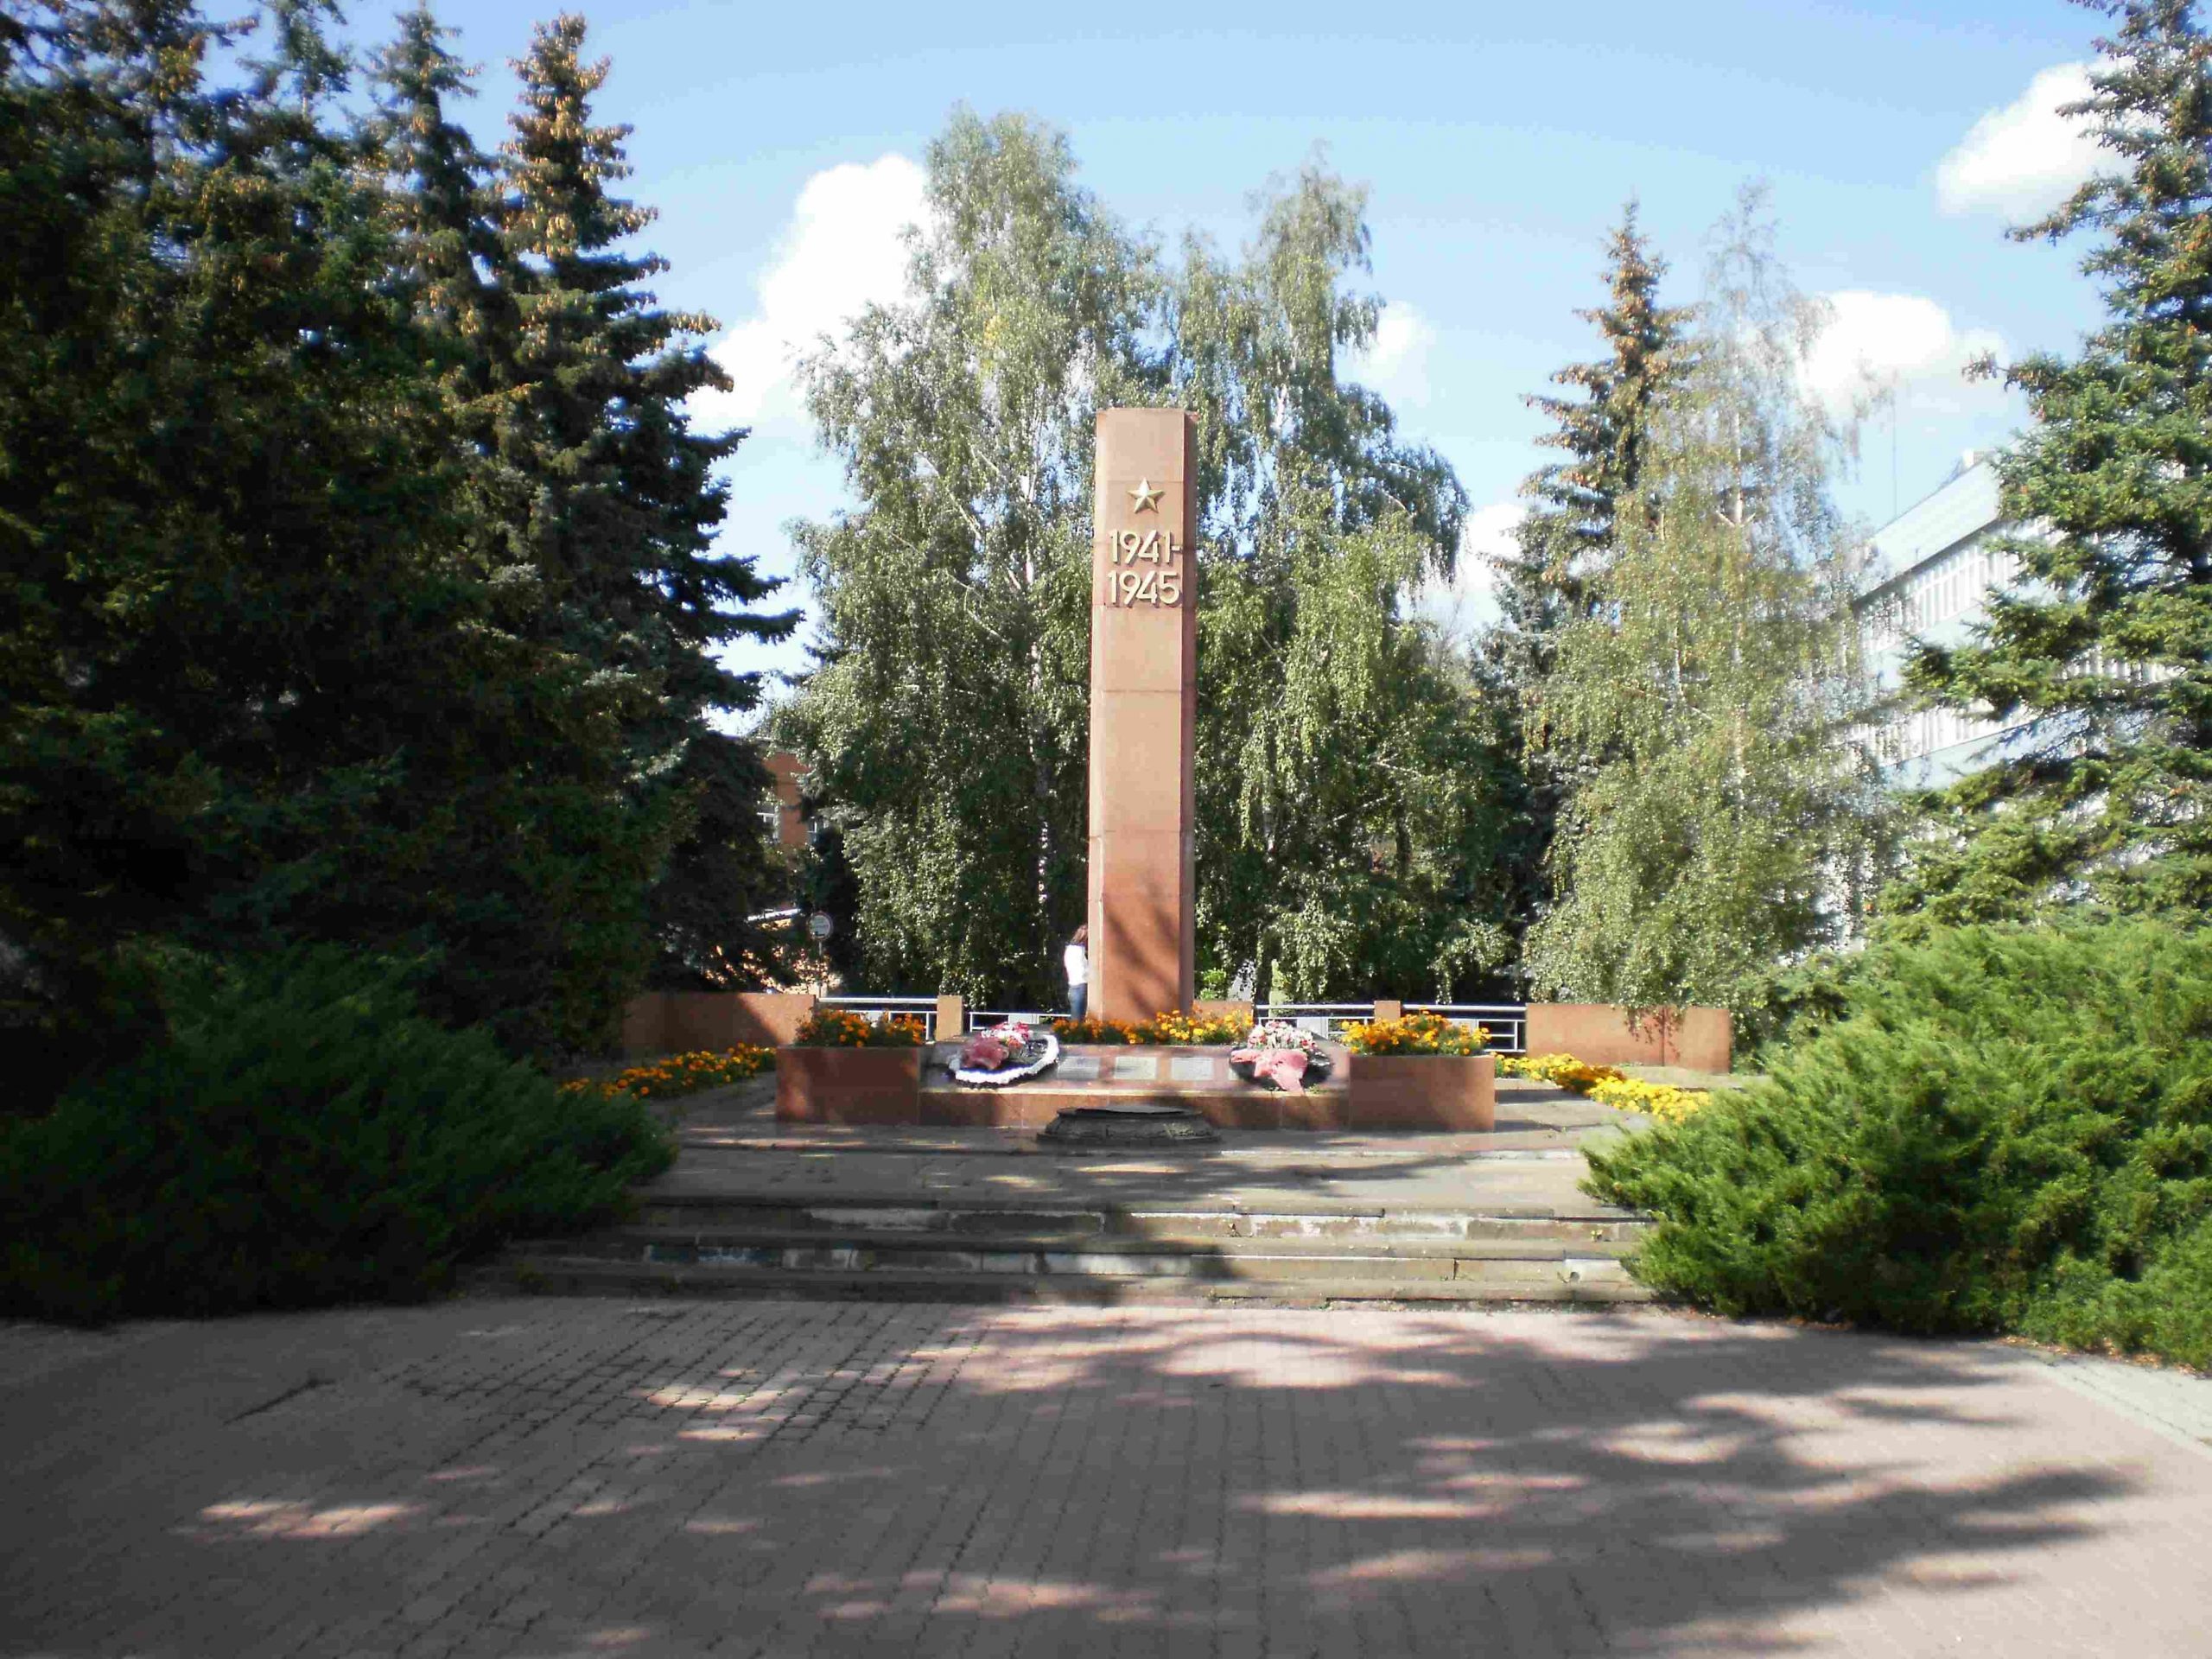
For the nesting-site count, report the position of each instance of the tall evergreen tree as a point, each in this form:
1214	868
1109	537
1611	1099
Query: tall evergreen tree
1570	537
452	258
249	689
2103	650
1704	703
623	506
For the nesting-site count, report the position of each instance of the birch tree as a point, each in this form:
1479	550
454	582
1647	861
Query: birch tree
1715	682
1343	832
946	721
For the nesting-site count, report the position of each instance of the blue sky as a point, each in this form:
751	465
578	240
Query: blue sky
1499	143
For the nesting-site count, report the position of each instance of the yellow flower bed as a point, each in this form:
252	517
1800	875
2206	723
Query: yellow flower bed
1660	1100
1162	1031
1416	1033
681	1074
1607	1085
1564	1070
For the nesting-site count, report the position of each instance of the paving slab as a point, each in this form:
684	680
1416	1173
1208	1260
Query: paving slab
557	1478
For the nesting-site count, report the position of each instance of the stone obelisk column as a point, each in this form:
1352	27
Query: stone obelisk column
1144	653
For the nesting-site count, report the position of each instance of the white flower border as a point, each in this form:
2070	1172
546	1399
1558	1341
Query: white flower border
1011	1074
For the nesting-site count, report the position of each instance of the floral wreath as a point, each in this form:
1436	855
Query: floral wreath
1281	1055
1005	1054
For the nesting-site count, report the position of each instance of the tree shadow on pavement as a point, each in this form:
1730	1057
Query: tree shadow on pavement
783	1478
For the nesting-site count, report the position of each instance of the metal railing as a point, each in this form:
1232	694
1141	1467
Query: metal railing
1322	1019
1506	1022
979	1019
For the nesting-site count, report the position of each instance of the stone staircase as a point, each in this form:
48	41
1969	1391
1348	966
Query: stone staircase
755	1208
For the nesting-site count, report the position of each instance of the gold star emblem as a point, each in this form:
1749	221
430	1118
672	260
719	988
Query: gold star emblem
1145	496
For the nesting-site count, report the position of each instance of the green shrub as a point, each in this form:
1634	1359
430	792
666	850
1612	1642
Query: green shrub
2006	1130
302	1136
1789	1004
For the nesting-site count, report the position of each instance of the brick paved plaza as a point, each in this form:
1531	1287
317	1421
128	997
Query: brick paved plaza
561	1477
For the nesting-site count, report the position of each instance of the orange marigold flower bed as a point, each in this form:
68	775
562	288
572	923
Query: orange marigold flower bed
1418	1032
1180	1030
678	1075
842	1028
1565	1070
1092	1029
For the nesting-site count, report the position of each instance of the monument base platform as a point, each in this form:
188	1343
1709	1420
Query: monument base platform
757	1208
1362	1093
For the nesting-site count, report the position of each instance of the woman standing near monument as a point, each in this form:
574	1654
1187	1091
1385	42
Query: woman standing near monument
1077	957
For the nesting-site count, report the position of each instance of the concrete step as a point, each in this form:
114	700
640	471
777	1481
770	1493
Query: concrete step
1564	1279
1120	1256
1589	1223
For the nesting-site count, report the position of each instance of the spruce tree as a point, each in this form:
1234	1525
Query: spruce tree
452	257
2103	649
1567	540
250	691
622	506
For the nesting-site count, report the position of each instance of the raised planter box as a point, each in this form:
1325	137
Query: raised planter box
1199	1078
849	1086
883	1086
1424	1091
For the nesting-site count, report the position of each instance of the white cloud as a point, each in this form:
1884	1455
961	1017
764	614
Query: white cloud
1469	601
1488	536
2026	158
1396	365
842	250
1904	341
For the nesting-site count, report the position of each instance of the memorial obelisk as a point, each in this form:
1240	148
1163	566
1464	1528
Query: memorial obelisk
1144	655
